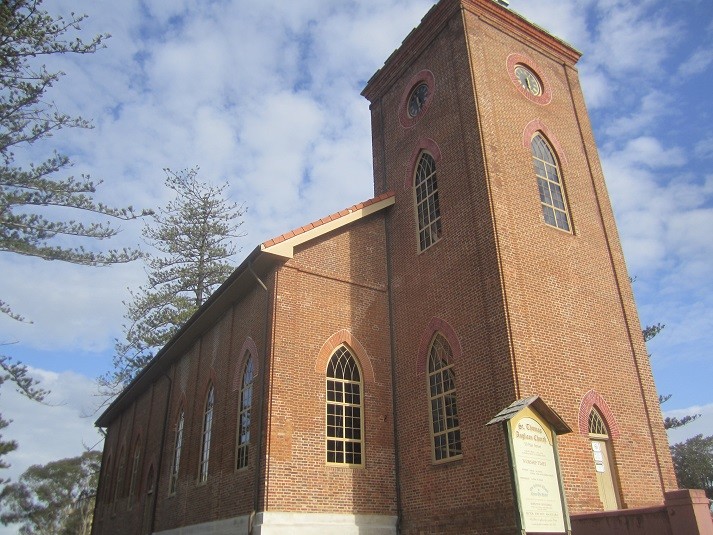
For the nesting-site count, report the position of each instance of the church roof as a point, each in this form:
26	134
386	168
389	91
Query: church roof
284	244
260	261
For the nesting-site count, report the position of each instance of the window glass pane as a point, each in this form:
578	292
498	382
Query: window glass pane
442	390
549	214
206	436
246	395
562	220
427	205
549	184
343	409
545	195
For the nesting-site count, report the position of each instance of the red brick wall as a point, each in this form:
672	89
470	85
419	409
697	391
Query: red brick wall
457	282
572	317
332	291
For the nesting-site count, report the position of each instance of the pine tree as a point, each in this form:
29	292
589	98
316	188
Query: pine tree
195	238
28	34
30	225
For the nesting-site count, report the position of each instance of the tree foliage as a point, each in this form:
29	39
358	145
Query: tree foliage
30	223
194	236
34	201
15	372
693	462
54	499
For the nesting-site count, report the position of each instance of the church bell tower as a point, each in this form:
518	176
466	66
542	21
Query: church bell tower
506	274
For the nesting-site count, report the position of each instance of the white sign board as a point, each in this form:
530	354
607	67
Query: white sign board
536	476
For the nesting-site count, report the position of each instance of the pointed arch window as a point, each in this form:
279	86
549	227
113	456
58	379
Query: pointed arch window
150	480
345	443
107	481
205	435
550	185
177	447
445	428
604	466
136	462
244	417
427	206
119	477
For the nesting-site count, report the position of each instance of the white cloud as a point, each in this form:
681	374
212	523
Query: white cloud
699	61
652	107
633	36
58	429
69	306
704	148
566	20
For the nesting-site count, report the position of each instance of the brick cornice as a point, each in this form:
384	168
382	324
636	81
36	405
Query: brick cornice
514	23
411	47
433	22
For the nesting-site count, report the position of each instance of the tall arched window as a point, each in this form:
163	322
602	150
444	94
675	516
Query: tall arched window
445	429
549	182
119	477
205	435
135	471
177	446
603	461
345	443
427	206
246	400
107	483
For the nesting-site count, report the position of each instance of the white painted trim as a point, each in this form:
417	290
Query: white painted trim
286	248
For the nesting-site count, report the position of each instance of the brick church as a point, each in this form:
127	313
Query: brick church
340	381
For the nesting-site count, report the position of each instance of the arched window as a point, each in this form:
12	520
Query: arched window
445	428
246	400
205	435
427	206
106	490
135	470
549	182
345	444
603	461
119	477
150	480
177	446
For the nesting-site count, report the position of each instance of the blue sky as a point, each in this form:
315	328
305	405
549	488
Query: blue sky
267	96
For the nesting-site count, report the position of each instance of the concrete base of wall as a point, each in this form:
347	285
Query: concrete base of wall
279	523
275	523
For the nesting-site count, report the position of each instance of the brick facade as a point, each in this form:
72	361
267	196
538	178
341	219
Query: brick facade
527	309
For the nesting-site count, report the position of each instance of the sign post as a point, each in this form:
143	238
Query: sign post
531	429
